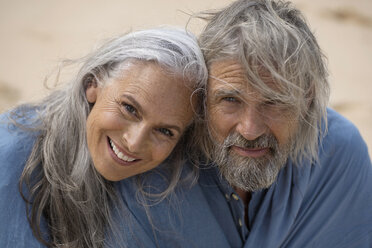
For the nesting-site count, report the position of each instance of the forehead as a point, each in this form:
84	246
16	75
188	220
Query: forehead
149	77
229	71
232	74
161	93
226	77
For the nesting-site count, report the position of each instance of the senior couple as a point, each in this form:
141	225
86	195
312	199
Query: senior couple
149	147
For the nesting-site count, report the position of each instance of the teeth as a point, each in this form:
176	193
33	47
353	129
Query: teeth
120	154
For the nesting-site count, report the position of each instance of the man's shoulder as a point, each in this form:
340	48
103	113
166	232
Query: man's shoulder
331	198
343	158
343	147
342	136
341	128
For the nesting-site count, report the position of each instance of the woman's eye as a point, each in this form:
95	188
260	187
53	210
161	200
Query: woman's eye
129	108
165	131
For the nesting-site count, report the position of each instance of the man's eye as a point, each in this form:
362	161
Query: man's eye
129	108
275	103
271	102
230	99
165	131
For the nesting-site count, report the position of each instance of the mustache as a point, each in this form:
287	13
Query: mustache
265	140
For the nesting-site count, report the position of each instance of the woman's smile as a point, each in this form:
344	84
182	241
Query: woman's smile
120	155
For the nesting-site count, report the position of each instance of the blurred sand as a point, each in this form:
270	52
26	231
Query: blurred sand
35	35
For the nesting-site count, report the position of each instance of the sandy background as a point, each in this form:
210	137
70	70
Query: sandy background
35	35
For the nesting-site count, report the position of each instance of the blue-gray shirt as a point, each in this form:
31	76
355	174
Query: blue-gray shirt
310	205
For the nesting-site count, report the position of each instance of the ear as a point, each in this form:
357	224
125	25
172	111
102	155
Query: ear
91	94
91	89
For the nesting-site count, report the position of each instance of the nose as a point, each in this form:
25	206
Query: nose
251	124
134	137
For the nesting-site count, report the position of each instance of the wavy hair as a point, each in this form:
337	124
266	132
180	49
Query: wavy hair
272	37
61	181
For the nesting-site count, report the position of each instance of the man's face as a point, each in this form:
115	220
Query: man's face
252	133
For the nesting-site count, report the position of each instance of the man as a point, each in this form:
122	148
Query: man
283	170
302	172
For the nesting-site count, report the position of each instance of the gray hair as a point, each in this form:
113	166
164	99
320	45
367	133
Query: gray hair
272	37
62	182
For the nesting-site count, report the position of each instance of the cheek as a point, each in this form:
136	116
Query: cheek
90	129
283	130
101	120
97	125
161	152
92	137
95	139
220	123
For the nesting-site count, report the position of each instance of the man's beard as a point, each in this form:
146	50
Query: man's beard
246	173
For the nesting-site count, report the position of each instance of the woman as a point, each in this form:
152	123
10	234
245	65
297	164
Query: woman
125	112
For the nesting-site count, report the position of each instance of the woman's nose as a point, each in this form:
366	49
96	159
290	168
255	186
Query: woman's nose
134	137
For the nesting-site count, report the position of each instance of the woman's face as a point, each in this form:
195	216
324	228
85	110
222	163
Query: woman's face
137	119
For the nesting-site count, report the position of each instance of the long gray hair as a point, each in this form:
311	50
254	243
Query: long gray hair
272	37
62	184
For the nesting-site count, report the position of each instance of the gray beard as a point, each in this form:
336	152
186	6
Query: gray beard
246	173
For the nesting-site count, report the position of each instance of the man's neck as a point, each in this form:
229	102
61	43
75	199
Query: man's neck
246	197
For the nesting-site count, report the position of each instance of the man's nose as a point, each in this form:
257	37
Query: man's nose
134	137
251	124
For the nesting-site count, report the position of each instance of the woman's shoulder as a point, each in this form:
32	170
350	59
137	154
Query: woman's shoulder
15	146
15	143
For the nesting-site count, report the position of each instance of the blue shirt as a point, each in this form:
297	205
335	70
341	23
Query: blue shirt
328	204
15	147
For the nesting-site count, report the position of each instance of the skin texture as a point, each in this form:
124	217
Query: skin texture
233	106
143	112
